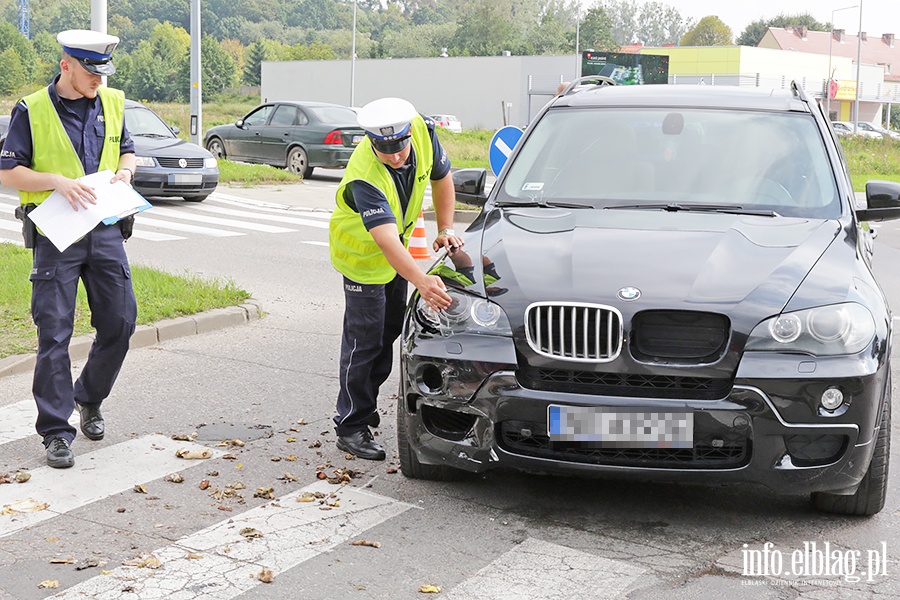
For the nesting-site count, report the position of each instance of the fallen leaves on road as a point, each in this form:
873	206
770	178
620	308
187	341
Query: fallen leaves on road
291	457
87	565
204	484
144	561
390	470
266	575
23	506
188	453
232	443
48	584
174	478
251	533
341	475
288	477
429	588
366	543
140	489
183	437
19	477
62	561
310	496
267	493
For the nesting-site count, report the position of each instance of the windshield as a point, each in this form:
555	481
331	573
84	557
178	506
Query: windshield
145	122
637	157
334	115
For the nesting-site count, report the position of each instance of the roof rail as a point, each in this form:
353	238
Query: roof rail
597	80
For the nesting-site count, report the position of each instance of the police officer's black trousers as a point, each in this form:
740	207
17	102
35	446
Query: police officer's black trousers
373	320
99	260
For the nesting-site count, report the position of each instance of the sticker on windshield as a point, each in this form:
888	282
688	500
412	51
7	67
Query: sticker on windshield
532	187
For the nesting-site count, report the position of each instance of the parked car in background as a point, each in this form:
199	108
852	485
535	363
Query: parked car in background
665	283
843	128
298	136
168	166
885	132
449	122
4	127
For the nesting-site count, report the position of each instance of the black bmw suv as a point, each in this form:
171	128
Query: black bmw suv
667	283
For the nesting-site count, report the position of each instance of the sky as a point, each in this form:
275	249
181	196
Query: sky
878	16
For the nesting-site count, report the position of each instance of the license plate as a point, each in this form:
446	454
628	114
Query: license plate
356	139
185	178
618	428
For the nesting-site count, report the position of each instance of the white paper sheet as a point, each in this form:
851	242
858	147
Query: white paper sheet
63	225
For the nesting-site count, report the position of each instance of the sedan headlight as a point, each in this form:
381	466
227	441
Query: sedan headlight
823	331
210	163
466	314
145	161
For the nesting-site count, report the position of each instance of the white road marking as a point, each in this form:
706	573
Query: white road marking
96	475
270	206
538	570
312	243
179	214
154	236
263	217
162	224
11	225
17	421
219	563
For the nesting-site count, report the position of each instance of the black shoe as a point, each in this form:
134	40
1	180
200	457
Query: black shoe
92	425
361	444
374	419
59	454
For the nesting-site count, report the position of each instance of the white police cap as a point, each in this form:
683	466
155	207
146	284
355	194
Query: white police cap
387	119
91	48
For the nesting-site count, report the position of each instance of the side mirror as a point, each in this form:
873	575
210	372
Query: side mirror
175	129
469	186
239	123
882	201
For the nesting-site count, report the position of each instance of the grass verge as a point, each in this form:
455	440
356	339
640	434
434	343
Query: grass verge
160	296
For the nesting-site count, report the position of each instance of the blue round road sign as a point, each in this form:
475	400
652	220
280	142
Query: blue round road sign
502	145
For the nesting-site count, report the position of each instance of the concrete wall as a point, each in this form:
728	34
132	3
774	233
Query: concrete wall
472	88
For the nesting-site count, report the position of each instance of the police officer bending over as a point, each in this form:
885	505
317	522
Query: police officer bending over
72	128
378	204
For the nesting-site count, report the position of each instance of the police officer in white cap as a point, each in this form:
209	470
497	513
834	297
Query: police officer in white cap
378	204
74	127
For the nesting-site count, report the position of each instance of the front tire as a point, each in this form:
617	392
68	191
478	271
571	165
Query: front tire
410	465
869	497
298	162
195	198
216	148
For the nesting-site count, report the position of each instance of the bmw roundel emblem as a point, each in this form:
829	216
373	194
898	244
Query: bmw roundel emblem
182	163
629	293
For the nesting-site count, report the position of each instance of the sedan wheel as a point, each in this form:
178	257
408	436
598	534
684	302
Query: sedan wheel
216	148
194	198
298	163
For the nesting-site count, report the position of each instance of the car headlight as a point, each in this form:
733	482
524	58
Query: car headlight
466	314
210	163
145	161
823	331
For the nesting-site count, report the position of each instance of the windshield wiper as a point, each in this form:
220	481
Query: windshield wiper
148	134
716	208
541	202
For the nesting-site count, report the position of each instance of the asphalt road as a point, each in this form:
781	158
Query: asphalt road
258	398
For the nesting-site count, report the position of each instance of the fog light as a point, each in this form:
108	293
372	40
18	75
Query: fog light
832	398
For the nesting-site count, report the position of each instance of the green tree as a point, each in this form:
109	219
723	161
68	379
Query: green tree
219	71
755	31
73	14
161	66
710	31
659	24
623	20
419	40
597	30
11	38
255	55
485	29
12	75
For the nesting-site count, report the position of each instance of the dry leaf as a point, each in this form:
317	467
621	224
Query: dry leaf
251	533
187	453
49	584
233	443
145	561
266	575
291	439
321	475
174	478
265	492
291	457
62	561
225	508
429	588
204	484
301	422
88	565
181	437
366	543
23	506
140	489
316	444
194	556
22	477
4	478
275	459
288	477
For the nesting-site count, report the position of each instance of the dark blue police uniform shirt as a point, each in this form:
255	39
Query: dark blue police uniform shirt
82	120
368	200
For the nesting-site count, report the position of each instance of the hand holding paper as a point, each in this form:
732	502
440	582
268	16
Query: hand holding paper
63	225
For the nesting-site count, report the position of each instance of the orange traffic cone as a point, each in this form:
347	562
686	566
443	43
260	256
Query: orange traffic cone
418	244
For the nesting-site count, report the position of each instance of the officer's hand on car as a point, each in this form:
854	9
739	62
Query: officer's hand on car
449	240
79	195
433	292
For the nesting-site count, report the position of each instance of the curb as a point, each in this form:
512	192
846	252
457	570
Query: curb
150	335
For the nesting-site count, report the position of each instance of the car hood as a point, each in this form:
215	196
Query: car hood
173	147
747	267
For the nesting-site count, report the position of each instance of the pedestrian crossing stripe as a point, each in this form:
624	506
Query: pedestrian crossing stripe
218	563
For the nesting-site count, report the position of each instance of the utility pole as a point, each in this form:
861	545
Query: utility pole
196	89
25	18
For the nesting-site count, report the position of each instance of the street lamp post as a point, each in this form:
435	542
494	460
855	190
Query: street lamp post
830	74
858	67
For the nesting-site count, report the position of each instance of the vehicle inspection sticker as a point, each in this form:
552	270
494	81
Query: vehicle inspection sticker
533	186
616	428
